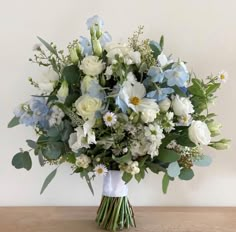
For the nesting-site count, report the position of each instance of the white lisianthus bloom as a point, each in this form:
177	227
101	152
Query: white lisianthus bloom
135	57
164	105
184	120
182	106
92	66
149	115
87	127
77	140
87	106
83	161
86	83
162	60
133	95
47	82
199	133
63	92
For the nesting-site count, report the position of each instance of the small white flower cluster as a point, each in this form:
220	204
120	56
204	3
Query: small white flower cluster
83	161
154	135
131	167
56	116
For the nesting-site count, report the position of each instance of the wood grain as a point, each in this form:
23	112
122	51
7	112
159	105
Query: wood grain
149	219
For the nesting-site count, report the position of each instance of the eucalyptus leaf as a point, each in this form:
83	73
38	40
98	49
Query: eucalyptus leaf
156	48
31	143
204	161
173	169
71	74
155	167
14	122
22	160
186	174
53	150
48	46
48	180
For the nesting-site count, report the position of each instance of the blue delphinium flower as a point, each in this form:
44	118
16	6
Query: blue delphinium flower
178	75
86	45
156	74
160	94
95	90
24	114
122	105
105	38
27	120
39	110
95	21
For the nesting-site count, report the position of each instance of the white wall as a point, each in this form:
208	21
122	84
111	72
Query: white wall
201	32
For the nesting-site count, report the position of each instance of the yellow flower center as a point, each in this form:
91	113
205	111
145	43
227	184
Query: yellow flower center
109	118
185	118
222	76
135	101
99	170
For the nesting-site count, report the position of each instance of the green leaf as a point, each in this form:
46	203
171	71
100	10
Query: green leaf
155	168
22	160
48	46
71	98
126	177
88	180
165	183
179	91
211	88
123	159
186	174
139	176
41	159
13	122
168	156
48	180
156	48
184	140
31	143
71	74
162	42
197	88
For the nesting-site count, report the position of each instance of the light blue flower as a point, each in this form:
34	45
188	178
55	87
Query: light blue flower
86	45
156	74
95	21
95	90
160	94
122	105
176	76
105	38
27	119
19	111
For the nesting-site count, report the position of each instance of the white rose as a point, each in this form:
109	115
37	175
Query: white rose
47	81
86	83
199	133
182	106
164	105
148	115
87	106
92	66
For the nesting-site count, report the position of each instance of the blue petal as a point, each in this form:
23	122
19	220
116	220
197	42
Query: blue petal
121	104
105	38
95	20
86	45
173	169
95	90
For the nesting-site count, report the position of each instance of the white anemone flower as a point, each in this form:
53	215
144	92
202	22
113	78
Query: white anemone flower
133	94
100	169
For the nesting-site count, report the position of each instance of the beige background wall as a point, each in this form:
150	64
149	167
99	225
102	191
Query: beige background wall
201	32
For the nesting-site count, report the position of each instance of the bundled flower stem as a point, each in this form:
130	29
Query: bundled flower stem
115	213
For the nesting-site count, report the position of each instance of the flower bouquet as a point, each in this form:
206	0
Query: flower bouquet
118	110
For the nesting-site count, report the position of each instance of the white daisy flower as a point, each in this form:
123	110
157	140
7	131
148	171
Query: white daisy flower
100	169
110	119
223	76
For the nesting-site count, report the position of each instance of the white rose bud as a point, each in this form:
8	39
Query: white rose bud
92	66
182	106
87	106
148	115
164	105
199	133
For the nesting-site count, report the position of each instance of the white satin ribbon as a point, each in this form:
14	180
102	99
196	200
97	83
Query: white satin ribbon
113	185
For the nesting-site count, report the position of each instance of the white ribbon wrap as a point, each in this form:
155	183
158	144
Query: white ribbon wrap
113	185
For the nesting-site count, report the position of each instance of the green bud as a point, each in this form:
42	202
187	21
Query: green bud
98	32
93	33
214	128
102	80
97	48
74	56
78	50
222	144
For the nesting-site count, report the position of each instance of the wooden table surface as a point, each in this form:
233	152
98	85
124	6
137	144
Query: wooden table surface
81	219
